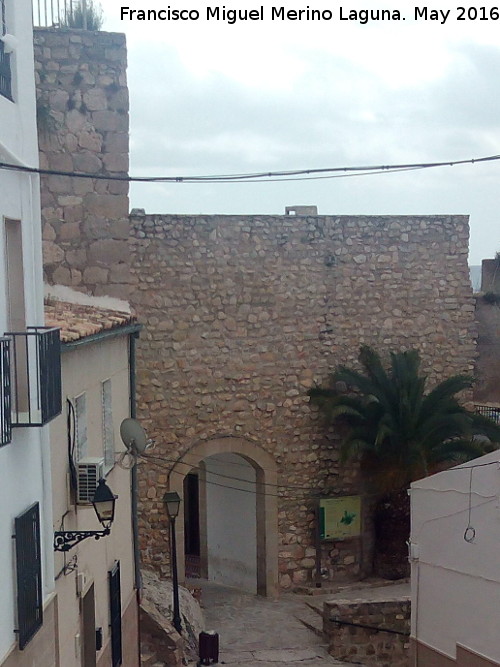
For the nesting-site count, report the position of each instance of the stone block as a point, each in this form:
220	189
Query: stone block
109	251
116	162
86	163
106	121
119	273
114	207
70	231
95	99
91	141
95	275
52	253
62	276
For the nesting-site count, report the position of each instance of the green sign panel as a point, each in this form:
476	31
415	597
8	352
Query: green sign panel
340	517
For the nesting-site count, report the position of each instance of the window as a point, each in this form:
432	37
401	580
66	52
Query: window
81	426
115	612
108	435
5	70
29	574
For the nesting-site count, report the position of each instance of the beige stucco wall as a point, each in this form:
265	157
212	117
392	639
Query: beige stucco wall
42	650
83	370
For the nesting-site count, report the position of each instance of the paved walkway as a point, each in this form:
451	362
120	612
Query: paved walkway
259	632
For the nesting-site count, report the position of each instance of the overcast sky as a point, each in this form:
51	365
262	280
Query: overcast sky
208	97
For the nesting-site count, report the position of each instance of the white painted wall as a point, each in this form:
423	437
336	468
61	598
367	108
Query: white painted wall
231	521
456	584
25	463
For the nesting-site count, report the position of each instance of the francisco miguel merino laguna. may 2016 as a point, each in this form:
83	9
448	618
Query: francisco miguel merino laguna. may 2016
231	16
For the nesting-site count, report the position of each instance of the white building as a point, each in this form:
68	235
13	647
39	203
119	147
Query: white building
455	541
30	359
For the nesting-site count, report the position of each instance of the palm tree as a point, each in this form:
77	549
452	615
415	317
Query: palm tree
400	433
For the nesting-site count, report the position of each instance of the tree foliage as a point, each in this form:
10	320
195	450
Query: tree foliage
400	431
88	18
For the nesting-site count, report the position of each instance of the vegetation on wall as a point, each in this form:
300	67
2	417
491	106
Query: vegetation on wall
89	17
400	433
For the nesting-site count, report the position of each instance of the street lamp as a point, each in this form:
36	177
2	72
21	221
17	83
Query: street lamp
172	502
104	505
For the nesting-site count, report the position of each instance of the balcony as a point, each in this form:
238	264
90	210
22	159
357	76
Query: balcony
35	371
5	410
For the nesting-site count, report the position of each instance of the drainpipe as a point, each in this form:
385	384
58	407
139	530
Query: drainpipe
134	489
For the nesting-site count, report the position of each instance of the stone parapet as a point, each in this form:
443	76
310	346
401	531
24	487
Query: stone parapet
384	642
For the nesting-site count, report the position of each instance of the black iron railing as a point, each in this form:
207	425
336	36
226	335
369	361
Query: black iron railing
35	376
489	411
5	73
29	574
373	628
60	13
5	407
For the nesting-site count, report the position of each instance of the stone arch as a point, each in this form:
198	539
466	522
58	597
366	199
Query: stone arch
266	502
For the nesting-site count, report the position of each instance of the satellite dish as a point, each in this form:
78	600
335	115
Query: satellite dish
133	435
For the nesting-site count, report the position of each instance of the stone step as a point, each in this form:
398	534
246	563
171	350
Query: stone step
311	617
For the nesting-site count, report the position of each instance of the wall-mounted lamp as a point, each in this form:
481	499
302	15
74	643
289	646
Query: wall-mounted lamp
104	505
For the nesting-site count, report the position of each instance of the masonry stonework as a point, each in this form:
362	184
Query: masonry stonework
82	108
243	314
383	642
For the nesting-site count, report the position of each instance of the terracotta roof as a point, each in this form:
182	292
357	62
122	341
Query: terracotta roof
77	321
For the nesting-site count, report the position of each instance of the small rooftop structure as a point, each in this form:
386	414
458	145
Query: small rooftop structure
301	210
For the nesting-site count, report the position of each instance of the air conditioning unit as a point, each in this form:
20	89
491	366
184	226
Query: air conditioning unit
89	472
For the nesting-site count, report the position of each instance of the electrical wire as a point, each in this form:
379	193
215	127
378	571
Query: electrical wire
264	176
314	494
230	477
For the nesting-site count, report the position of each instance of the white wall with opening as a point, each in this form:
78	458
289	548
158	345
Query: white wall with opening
231	515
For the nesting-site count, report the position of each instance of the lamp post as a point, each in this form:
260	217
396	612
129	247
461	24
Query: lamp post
172	501
104	505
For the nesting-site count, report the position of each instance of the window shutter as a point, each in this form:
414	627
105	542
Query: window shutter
29	574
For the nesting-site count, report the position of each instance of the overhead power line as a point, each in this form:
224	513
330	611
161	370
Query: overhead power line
258	177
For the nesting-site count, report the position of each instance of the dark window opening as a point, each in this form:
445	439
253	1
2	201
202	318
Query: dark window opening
29	574
115	609
192	525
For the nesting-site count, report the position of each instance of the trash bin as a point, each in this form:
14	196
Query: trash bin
208	643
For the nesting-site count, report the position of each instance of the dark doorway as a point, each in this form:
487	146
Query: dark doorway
192	525
88	629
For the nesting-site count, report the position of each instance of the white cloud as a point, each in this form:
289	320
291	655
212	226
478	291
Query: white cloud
213	98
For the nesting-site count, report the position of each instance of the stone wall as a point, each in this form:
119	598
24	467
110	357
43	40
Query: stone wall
82	108
487	387
369	645
243	314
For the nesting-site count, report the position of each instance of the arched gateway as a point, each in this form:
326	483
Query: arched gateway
237	497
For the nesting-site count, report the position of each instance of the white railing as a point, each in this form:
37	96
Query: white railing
60	14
